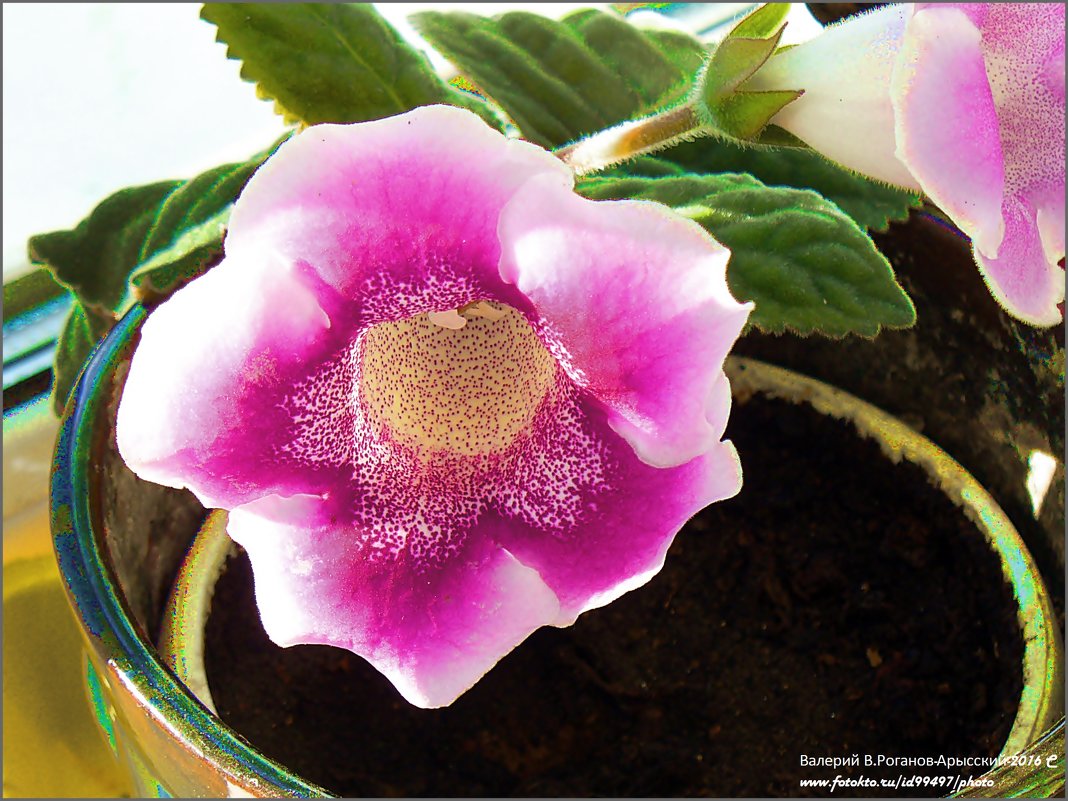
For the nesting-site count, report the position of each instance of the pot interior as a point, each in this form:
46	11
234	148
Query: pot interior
780	616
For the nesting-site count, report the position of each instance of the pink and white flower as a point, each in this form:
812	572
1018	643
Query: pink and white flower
962	101
446	400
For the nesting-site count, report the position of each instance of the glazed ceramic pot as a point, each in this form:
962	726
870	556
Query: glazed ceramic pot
120	542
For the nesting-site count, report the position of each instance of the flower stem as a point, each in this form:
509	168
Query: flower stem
633	138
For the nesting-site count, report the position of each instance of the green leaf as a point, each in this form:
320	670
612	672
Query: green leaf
325	62
871	204
153	237
197	201
644	167
187	236
76	341
658	66
191	254
763	23
560	80
745	114
27	292
684	51
733	62
804	263
95	258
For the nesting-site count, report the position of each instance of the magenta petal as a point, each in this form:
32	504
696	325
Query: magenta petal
384	210
432	633
346	226
199	407
642	317
621	540
446	400
528	555
979	98
1023	277
947	129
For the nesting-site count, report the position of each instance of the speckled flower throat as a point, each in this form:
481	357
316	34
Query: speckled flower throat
466	382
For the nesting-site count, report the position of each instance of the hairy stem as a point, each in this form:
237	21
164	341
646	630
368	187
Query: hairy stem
632	138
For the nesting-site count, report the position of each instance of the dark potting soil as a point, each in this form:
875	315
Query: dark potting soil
838	606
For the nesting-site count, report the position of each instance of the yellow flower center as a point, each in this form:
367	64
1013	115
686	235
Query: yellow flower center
467	381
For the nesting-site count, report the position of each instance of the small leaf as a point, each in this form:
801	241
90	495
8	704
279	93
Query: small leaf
75	343
96	257
324	62
196	201
871	204
560	80
545	108
157	236
658	66
733	62
681	49
763	23
190	255
745	114
187	237
644	167
804	263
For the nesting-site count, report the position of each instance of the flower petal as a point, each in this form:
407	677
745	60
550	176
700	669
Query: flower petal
433	633
399	215
642	316
448	585
1050	222
623	536
199	406
1022	277
947	123
420	457
845	111
344	227
990	150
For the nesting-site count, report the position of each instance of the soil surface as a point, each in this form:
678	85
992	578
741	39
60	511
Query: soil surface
838	606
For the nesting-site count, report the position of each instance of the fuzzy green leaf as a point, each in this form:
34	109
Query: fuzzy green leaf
186	237
643	167
560	80
326	62
805	264
195	202
658	66
685	52
745	114
733	62
871	204
96	257
154	237
193	251
763	23
75	343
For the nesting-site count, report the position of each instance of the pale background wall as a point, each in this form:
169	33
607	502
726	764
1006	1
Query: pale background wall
98	96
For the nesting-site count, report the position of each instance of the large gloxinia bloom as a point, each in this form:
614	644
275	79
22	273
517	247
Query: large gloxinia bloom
445	400
962	101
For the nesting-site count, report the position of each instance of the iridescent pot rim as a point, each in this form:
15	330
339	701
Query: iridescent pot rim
104	617
109	631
